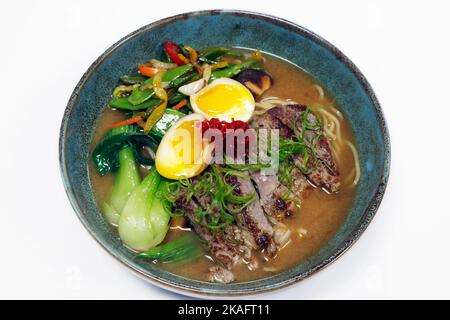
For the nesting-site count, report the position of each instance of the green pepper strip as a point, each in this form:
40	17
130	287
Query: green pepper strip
234	70
124	104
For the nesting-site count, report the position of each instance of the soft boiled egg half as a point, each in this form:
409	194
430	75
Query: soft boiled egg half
224	99
182	152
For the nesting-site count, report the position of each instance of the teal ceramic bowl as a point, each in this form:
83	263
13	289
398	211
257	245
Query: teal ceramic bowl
228	28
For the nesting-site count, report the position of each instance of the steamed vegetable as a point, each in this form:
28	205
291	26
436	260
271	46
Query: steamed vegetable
147	70
158	112
234	69
184	249
168	119
125	104
172	74
105	155
257	81
135	227
126	180
173	53
195	86
179	105
159	217
139	96
176	97
123	91
142	94
212	55
162	65
127	121
133	79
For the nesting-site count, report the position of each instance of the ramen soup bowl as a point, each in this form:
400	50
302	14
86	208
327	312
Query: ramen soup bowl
281	41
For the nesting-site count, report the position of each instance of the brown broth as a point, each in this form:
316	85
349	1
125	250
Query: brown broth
321	214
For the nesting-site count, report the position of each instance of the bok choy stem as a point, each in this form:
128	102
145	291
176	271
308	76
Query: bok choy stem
126	180
135	228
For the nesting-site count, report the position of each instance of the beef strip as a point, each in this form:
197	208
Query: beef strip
289	114
221	251
272	193
252	217
270	122
239	236
325	173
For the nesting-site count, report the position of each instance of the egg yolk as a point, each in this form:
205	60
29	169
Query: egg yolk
226	100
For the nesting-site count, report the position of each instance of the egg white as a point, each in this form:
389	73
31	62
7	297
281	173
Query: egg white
168	164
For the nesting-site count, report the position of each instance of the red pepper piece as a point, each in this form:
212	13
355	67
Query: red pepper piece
172	51
223	126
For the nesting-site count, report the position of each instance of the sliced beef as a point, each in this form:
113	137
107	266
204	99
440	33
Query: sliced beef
240	237
290	116
252	217
272	193
269	122
221	251
325	173
321	176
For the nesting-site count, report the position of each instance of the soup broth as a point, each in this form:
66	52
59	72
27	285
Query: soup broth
320	214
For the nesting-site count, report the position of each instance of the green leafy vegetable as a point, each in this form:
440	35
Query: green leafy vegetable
159	216
167	120
184	249
126	180
135	227
105	154
141	140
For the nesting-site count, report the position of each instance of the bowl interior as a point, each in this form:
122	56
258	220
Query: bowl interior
228	28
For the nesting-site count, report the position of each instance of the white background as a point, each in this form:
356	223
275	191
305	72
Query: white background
403	49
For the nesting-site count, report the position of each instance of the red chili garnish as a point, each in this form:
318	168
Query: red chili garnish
223	126
172	51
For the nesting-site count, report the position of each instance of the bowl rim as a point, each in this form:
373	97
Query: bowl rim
362	225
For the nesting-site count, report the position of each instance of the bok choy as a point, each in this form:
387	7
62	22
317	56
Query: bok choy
126	180
185	248
143	223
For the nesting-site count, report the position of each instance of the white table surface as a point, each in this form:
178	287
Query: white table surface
402	48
